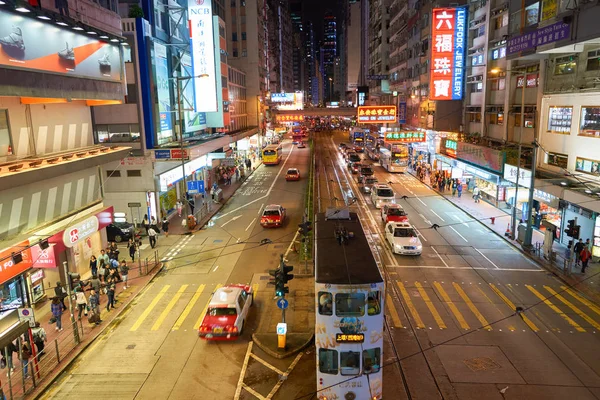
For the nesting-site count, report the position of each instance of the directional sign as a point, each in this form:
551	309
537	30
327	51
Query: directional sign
162	154
282	303
282	328
195	187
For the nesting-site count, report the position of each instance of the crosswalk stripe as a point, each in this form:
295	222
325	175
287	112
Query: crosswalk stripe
197	324
163	315
432	309
510	327
573	307
526	319
582	300
555	309
149	309
188	308
452	306
392	310
472	307
411	306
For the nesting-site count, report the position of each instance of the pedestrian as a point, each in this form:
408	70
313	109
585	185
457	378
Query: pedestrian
94	265
124	269
62	6
476	194
237	174
165	226
57	312
10	349
578	247
95	307
81	302
132	249
588	244
25	356
146	223
453	188
39	338
104	256
179	206
102	271
585	258
153	221
95	283
225	178
61	293
113	251
152	237
111	294
248	164
459	189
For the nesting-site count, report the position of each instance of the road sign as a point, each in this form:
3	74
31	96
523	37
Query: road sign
282	303
162	154
281	328
134	205
195	187
26	314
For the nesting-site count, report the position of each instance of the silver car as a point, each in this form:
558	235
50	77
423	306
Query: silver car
367	184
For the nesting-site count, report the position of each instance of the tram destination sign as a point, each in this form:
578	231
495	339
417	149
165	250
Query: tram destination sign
349	338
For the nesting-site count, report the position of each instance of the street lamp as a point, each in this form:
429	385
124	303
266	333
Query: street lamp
528	231
330	89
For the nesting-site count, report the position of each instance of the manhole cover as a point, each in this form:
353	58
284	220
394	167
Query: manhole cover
481	364
130	347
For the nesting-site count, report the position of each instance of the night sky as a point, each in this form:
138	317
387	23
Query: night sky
315	11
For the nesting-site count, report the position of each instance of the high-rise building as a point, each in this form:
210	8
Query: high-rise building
298	49
328	50
398	33
279	22
342	49
379	51
355	33
309	64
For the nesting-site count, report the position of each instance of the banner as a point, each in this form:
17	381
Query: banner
377	114
548	34
402	113
163	92
193	121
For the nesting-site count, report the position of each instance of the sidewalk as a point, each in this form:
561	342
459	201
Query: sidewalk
483	212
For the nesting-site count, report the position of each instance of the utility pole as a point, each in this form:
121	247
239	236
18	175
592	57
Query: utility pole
529	232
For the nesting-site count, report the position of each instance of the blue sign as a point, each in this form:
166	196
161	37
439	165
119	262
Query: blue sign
162	154
195	187
282	303
402	112
460	41
547	34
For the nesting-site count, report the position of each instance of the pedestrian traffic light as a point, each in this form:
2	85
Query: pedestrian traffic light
570	228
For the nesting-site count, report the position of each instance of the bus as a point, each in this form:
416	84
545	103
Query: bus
349	314
271	154
394	157
357	136
372	147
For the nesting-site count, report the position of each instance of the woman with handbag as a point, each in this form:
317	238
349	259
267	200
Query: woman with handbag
81	302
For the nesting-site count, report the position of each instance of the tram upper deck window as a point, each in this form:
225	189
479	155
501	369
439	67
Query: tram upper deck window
349	362
328	361
374	303
350	304
371	360
325	303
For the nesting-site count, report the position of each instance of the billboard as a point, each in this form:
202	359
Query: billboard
163	93
449	33
290	118
288	101
194	121
203	57
35	45
377	114
404	136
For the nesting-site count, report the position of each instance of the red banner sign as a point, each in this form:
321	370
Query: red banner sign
8	268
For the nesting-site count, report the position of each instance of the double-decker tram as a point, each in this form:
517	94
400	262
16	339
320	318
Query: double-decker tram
394	157
372	147
349	293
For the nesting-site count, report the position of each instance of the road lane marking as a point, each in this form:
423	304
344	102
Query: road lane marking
438	254
582	299
411	306
266	364
250	225
452	306
419	233
254	292
286	373
555	309
238	390
260	208
163	315
484	256
392	311
417	197
189	307
425	219
451	227
431	306
149	309
199	321
436	214
231	220
526	319
216	268
474	310
470	268
573	307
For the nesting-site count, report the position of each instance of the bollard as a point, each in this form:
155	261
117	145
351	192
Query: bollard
493	220
57	352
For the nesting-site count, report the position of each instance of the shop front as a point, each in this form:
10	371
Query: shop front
246	148
171	183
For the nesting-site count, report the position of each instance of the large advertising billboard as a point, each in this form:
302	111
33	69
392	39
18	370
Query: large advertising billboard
376	114
288	101
449	33
193	121
203	57
31	44
161	73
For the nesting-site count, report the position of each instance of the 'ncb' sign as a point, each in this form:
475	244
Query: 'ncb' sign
203	56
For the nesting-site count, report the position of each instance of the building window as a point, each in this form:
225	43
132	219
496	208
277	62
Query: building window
590	122
474	117
587	166
559	120
501	21
529	119
244	53
593	60
134	173
565	65
479	32
113	173
243	35
497	118
117	133
477	87
235	52
498	84
557	159
328	361
5	139
234	36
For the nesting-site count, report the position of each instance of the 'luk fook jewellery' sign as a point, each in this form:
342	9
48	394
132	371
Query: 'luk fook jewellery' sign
449	33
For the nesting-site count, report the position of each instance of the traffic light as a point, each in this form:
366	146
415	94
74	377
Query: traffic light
575	231
74	278
278	282
570	228
304	229
286	269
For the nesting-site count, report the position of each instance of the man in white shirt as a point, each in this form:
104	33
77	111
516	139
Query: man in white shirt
152	236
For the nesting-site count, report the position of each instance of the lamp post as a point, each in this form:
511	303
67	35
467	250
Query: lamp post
330	89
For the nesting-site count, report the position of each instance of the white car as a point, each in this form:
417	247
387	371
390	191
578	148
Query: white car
382	194
403	239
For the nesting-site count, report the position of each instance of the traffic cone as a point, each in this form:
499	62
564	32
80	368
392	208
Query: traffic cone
507	233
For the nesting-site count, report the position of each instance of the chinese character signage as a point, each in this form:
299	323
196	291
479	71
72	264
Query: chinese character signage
485	157
290	118
404	137
163	93
203	56
377	114
511	172
548	34
402	113
80	231
43	258
449	35
349	338
448	147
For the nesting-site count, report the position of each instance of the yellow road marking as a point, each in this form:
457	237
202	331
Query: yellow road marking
474	310
529	323
573	307
254	291
266	364
432	309
510	327
163	315
392	311
149	309
197	324
453	308
188	308
555	309
411	306
582	299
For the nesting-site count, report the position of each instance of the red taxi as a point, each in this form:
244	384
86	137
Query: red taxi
273	216
393	213
292	174
227	310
